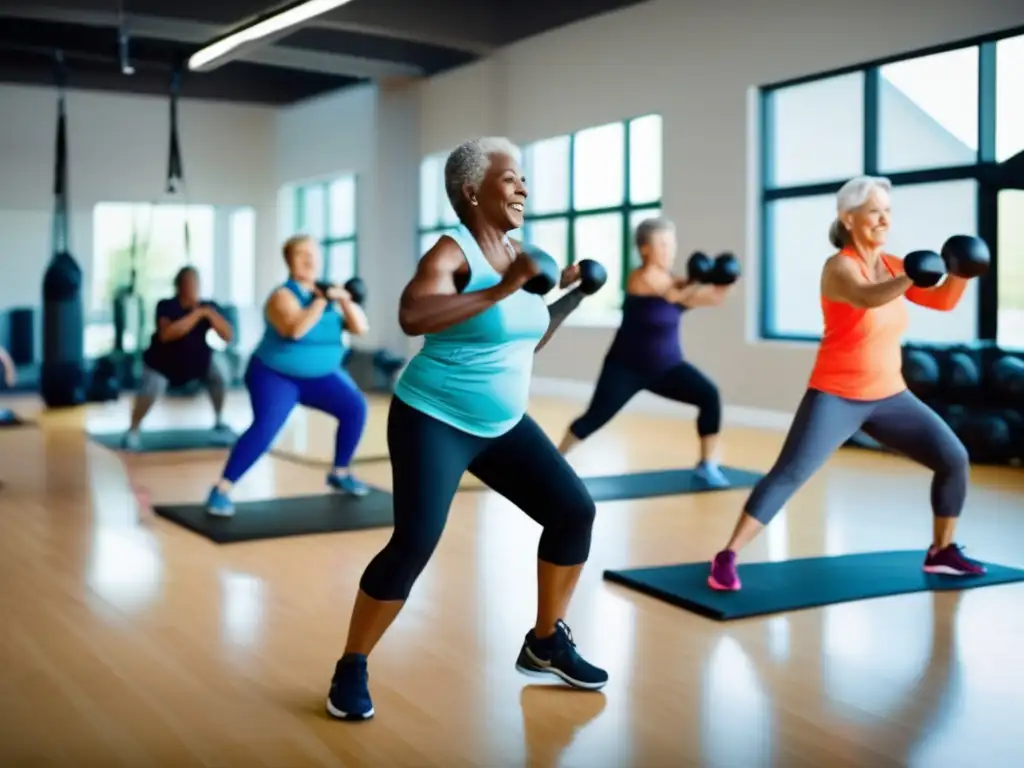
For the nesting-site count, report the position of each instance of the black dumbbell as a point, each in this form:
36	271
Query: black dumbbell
924	268
699	267
726	270
966	256
548	278
593	276
356	289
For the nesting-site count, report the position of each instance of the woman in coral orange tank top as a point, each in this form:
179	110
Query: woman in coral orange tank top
857	383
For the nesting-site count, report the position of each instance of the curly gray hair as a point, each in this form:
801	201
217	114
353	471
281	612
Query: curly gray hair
468	164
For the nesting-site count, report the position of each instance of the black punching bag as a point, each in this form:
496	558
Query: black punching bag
62	377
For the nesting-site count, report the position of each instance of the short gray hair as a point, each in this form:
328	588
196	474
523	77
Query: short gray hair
648	228
851	196
468	164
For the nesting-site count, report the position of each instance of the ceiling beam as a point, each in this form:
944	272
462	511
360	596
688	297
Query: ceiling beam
419	36
198	33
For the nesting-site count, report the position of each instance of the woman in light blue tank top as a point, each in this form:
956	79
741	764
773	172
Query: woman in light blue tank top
461	405
299	361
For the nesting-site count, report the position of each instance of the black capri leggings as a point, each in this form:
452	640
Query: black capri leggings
428	459
618	384
903	423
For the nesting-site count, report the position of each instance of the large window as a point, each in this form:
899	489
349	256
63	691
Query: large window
587	193
326	211
948	129
151	239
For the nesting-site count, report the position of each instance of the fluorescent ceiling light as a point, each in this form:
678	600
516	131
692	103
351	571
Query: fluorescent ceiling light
278	21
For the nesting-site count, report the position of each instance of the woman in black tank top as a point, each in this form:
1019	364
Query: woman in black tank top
646	353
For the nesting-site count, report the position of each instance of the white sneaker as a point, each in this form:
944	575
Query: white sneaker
132	440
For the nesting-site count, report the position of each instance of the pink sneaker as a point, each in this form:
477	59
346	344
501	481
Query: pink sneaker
951	561
723	575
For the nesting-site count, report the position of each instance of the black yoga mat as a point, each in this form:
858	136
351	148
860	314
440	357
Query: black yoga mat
790	585
167	440
668	482
277	518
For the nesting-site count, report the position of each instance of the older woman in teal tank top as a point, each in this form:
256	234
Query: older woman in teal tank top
461	405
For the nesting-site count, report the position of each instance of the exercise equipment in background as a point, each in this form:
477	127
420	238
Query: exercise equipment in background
978	391
790	585
62	376
22	332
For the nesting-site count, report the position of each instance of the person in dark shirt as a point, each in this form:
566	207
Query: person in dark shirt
179	353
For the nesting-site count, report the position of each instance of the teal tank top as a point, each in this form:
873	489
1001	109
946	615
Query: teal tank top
475	376
318	353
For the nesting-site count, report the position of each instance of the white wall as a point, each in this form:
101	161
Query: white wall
695	63
370	131
117	152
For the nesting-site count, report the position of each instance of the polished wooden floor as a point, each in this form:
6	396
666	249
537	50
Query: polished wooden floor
127	641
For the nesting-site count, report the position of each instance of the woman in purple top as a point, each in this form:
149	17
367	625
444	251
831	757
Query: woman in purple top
646	353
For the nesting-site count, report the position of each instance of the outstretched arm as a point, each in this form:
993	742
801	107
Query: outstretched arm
693	295
944	297
842	281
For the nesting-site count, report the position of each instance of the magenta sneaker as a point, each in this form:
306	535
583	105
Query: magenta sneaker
723	572
951	561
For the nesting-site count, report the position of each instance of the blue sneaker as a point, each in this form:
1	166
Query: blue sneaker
709	473
556	655
349	697
347	484
218	504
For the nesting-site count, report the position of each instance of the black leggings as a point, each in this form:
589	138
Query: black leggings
903	423
682	383
428	459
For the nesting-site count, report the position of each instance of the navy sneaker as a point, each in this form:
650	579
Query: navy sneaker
349	697
557	655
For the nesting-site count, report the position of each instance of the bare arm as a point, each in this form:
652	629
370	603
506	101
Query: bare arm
353	317
219	324
168	330
943	298
10	371
289	318
693	295
431	303
680	291
842	281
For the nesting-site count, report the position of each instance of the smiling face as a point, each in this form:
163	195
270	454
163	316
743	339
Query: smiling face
660	249
501	197
303	260
869	224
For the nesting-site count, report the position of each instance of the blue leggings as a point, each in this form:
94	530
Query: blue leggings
275	395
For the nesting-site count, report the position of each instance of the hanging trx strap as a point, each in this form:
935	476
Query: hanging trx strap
175	171
61	237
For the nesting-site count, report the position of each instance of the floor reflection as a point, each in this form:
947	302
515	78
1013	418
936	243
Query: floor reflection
125	567
242	610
